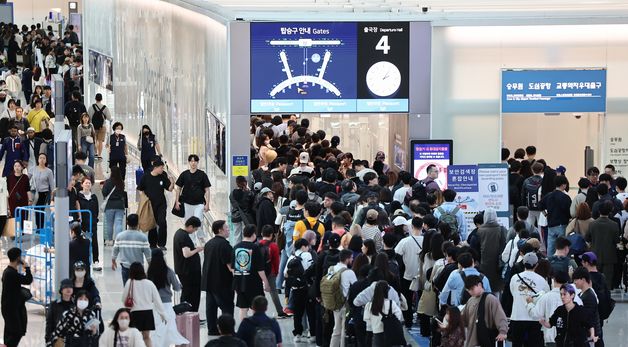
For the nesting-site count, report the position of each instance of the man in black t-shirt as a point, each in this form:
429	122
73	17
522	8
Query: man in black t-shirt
153	185
217	275
187	262
193	193
248	270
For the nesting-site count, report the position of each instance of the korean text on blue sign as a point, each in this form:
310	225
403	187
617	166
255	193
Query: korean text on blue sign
240	160
462	178
431	152
546	91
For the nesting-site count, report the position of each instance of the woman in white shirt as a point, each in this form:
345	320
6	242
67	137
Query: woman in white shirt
374	310
145	298
120	334
50	63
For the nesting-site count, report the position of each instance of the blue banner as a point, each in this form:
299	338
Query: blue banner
546	91
462	178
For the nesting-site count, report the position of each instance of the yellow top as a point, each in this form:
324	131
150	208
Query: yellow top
300	228
36	117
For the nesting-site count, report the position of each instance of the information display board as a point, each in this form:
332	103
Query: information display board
428	152
329	67
479	187
547	91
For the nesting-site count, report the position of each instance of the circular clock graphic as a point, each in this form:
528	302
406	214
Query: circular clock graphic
383	78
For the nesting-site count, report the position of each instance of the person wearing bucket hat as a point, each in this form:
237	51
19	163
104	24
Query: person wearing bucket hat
57	307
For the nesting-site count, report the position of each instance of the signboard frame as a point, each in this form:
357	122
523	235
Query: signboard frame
442	178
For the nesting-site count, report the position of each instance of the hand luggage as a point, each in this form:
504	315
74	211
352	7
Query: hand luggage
188	324
138	175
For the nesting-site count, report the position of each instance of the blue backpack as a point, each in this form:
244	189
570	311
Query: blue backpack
578	245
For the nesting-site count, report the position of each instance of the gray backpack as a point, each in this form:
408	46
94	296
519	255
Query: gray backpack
264	335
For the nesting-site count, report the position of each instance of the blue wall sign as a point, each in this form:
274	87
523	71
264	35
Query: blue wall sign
544	91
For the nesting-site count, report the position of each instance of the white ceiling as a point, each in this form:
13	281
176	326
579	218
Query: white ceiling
437	10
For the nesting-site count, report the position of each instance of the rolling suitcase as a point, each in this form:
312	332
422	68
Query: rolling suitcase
138	175
188	324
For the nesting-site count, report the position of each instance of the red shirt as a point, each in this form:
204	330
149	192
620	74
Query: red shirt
274	255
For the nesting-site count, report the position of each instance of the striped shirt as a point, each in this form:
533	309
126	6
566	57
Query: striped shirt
131	246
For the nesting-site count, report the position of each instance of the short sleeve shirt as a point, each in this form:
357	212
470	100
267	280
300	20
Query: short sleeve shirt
218	253
188	268
153	187
247	261
193	185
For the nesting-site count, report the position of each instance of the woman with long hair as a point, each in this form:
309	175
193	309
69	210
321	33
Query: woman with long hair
145	298
89	221
148	146
382	271
120	333
376	308
85	137
19	188
166	282
451	329
368	249
241	200
42	185
116	197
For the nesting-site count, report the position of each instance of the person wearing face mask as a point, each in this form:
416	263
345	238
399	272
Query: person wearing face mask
58	307
120	333
89	222
85	136
148	146
82	281
118	150
78	326
12	146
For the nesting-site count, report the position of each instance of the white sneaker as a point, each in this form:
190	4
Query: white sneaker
312	339
298	339
96	266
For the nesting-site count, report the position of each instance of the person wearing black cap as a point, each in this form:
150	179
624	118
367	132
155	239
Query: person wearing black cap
153	186
62	304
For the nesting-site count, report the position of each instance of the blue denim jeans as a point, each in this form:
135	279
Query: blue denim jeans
88	148
125	274
114	223
552	234
285	253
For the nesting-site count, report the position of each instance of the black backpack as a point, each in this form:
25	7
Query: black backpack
98	119
295	271
418	192
465	296
486	335
264	335
265	249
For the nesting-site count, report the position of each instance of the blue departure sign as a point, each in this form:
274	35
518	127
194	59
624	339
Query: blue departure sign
546	91
323	67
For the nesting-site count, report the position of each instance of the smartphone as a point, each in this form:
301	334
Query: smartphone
438	321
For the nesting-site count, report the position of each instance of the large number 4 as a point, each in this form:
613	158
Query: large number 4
383	45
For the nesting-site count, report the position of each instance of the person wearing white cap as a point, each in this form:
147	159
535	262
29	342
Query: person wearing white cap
526	330
303	168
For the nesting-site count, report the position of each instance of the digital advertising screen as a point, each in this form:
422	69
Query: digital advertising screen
428	152
329	67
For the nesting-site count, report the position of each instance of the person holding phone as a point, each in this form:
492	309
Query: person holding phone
78	326
12	301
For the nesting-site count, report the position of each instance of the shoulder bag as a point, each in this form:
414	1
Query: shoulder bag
393	330
128	302
106	200
416	283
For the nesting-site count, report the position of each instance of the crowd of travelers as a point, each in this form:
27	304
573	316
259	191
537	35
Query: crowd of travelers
353	251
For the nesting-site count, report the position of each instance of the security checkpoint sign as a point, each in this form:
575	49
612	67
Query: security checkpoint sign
240	165
552	91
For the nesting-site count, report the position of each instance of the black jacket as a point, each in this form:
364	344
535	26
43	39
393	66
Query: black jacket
73	111
13	306
243	200
53	315
266	213
36	142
